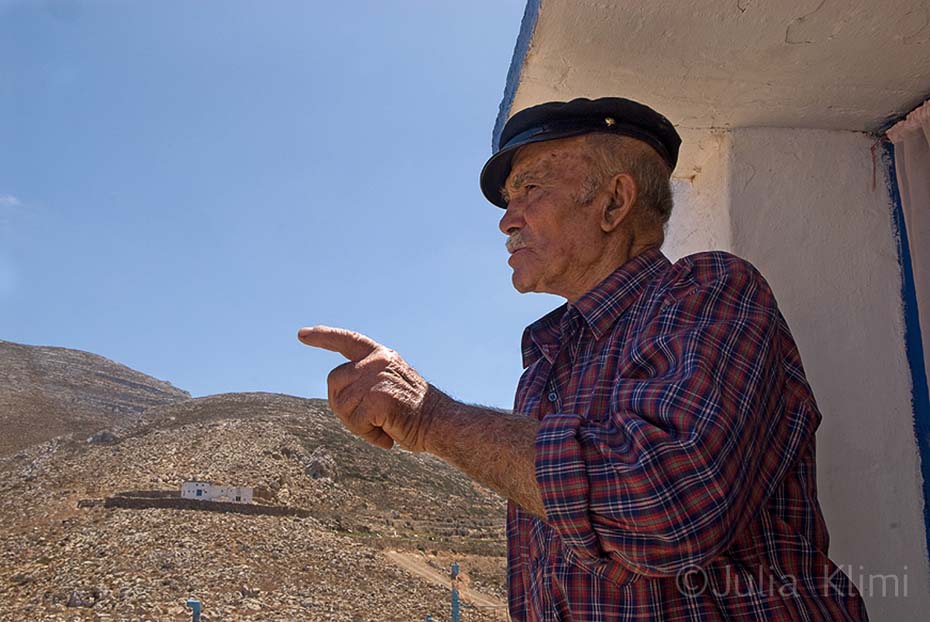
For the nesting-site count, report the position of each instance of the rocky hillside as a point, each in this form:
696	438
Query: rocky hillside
382	529
46	392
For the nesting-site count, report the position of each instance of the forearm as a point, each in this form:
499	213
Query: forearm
494	448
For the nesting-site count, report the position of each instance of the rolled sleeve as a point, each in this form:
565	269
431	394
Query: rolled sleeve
562	475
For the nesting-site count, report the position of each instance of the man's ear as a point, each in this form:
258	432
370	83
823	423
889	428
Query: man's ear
619	205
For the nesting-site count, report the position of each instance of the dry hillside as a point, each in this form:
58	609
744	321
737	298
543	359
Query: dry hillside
381	531
46	392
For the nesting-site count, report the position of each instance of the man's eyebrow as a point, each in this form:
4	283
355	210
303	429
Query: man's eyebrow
519	180
516	182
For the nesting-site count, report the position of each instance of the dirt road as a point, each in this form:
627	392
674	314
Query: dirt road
413	564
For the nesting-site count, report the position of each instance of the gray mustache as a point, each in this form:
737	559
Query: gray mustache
514	242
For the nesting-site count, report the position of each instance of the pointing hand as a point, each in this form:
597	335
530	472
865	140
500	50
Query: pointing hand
376	395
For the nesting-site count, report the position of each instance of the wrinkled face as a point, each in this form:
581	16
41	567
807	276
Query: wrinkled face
554	240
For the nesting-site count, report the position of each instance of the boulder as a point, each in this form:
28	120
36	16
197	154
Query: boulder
320	464
103	437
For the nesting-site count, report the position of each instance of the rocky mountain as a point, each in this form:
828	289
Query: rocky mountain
46	392
379	530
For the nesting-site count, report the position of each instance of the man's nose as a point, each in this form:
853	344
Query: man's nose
512	220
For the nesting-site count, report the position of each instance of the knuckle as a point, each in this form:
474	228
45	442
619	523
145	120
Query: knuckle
385	352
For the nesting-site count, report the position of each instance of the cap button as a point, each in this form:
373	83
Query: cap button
609	121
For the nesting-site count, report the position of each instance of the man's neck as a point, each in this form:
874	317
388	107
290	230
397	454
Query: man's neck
611	261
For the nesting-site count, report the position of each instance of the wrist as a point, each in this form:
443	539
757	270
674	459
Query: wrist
434	408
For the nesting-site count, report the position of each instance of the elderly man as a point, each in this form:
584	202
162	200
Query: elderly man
659	462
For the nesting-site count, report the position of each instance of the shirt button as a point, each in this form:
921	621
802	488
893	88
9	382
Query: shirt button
553	396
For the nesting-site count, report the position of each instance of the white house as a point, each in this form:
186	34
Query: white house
207	491
783	108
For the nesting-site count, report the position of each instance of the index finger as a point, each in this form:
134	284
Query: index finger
350	344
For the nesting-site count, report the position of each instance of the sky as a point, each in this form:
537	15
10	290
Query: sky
185	184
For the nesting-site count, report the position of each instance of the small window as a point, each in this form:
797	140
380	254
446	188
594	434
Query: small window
199	493
238	498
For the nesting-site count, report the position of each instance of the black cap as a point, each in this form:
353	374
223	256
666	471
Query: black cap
554	120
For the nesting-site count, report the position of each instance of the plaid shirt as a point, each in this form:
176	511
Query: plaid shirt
675	456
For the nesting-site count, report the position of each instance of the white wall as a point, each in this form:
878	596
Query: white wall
189	490
810	208
229	493
705	224
220	493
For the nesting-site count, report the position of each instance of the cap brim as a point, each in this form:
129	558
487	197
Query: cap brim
497	168
495	173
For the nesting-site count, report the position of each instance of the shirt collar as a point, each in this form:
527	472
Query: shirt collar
599	308
541	338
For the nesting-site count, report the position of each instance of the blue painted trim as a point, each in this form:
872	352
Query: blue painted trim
527	27
920	394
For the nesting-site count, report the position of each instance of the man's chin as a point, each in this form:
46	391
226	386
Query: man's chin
521	285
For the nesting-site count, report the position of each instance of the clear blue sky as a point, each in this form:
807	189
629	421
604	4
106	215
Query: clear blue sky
185	184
